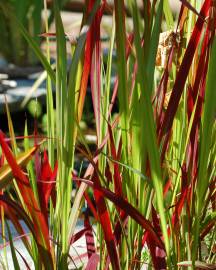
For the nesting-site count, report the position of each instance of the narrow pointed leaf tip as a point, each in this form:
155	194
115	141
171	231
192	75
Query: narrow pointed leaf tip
6	172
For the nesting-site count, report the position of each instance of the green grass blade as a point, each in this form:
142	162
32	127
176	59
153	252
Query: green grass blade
149	129
49	100
122	73
13	252
168	15
61	116
30	165
154	45
208	120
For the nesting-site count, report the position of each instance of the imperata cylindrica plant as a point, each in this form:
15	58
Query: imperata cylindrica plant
144	192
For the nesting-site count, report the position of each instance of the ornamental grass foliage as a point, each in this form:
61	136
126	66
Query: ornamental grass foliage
149	185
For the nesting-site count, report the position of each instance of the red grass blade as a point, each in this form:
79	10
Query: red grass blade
207	228
93	262
24	260
133	212
91	249
78	235
158	254
190	7
118	226
1	160
22	160
88	200
12	207
96	68
14	216
106	225
40	226
46	183
129	209
167	187
183	72
90	44
197	89
85	74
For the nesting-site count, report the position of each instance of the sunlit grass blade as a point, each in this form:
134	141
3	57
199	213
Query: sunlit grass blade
168	15
30	166
11	129
150	132
90	243
31	204
149	178
183	72
46	184
154	47
105	222
64	183
6	174
131	211
70	137
122	74
21	214
208	119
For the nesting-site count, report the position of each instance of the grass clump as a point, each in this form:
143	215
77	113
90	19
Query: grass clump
152	170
